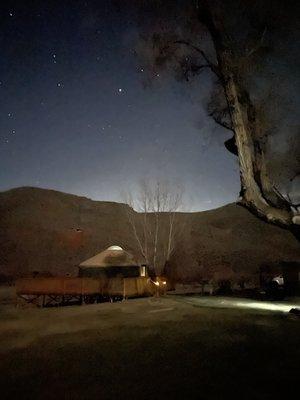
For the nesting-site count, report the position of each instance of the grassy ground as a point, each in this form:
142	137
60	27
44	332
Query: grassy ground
168	348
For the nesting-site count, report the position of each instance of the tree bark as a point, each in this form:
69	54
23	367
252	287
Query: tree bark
251	161
257	191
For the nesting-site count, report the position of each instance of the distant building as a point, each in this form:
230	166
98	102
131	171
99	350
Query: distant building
112	262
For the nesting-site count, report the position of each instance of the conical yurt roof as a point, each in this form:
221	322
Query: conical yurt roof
113	256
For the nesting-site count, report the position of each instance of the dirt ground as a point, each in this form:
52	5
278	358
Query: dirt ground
175	347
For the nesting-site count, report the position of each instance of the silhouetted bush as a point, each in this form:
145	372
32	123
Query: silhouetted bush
6	279
224	287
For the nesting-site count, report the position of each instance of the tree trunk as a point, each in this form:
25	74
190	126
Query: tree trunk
256	188
170	235
156	242
253	181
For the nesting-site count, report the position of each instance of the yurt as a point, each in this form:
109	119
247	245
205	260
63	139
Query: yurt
112	262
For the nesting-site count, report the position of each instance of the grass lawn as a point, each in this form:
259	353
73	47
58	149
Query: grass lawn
167	348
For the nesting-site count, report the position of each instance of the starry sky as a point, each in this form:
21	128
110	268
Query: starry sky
76	116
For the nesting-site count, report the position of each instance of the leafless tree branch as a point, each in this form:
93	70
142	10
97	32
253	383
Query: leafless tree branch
209	63
156	226
258	45
221	122
286	198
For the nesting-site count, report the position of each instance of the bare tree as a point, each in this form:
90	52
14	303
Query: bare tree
237	48
134	220
156	223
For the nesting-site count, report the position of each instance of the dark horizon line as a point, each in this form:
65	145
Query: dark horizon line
105	201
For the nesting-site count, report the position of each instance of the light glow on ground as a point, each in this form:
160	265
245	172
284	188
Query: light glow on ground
226	302
267	306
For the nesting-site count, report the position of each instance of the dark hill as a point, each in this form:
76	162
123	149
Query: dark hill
230	240
46	230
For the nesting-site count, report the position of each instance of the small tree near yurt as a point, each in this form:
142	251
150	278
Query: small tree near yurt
155	225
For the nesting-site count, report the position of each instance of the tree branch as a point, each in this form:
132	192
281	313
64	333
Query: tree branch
193	69
259	45
294	176
220	122
210	64
286	199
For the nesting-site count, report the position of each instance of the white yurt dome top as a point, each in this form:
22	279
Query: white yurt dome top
114	256
118	248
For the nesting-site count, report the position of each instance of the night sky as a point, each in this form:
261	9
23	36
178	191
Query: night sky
76	116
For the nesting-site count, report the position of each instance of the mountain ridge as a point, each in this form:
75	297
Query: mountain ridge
48	230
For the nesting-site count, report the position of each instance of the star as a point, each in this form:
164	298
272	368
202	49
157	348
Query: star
59	84
120	90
